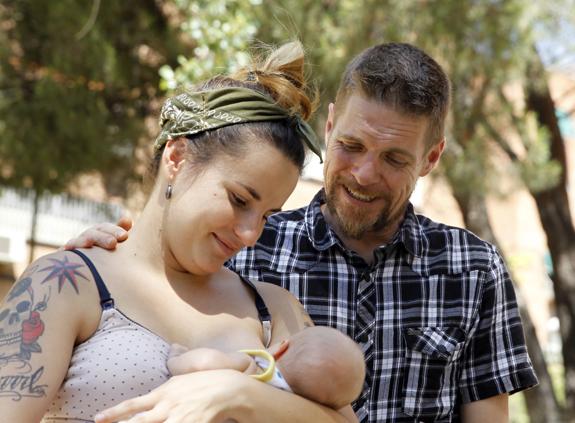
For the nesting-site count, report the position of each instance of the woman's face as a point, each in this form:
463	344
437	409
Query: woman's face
223	208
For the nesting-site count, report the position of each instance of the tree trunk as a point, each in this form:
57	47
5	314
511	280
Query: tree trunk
541	402
555	214
35	211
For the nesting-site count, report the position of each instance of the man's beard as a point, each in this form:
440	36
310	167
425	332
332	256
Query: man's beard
354	223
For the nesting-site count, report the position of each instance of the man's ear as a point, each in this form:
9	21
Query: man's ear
329	123
432	157
173	156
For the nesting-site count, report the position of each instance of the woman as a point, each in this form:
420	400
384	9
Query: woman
84	330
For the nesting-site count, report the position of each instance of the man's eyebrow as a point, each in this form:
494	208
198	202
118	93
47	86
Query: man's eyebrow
349	137
252	191
406	153
396	150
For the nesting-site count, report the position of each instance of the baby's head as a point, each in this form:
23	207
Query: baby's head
323	365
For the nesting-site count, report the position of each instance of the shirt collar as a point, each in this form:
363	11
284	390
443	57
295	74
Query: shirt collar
319	232
410	233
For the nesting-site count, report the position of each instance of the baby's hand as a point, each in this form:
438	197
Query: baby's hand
174	365
176	350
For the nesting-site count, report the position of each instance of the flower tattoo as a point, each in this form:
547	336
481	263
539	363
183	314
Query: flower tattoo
22	327
32	328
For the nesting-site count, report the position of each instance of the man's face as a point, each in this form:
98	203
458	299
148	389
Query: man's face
373	160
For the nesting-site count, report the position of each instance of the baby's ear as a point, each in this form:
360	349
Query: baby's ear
277	350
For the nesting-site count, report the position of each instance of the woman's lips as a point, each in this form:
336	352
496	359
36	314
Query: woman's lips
228	248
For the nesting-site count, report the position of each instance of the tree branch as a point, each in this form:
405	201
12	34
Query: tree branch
500	141
91	20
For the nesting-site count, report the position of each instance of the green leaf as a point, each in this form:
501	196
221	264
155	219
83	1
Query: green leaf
20	287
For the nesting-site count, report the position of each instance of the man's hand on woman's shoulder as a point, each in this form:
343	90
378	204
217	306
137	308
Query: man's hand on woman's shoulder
104	235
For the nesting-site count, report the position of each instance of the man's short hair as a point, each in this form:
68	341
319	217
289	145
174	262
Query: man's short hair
402	77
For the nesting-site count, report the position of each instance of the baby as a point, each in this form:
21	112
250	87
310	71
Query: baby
318	363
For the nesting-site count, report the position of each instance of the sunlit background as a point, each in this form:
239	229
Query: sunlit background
81	83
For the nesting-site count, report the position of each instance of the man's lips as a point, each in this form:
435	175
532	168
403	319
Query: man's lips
358	195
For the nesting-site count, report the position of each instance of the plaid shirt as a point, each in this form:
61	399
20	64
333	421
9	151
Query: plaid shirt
435	314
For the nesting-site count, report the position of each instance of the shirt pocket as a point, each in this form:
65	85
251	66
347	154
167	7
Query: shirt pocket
431	371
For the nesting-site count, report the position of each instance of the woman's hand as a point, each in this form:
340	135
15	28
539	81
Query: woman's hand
205	397
221	396
104	235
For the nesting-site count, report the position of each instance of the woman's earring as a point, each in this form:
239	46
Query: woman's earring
169	192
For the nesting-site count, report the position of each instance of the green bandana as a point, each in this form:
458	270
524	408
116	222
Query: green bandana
191	113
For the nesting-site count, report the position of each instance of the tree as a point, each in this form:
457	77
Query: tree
538	123
76	84
555	214
221	32
484	46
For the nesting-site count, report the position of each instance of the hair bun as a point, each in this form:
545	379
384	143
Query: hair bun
282	75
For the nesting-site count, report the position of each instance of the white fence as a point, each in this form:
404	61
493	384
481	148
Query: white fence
60	218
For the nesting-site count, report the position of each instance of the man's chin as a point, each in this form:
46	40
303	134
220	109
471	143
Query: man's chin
349	227
346	219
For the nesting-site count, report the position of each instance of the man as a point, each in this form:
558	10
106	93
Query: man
432	306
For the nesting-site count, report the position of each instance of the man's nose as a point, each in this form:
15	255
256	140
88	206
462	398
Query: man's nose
366	171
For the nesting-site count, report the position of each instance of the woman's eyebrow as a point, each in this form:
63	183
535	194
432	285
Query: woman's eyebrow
256	196
252	191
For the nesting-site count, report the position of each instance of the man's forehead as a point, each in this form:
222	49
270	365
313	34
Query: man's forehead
380	120
358	103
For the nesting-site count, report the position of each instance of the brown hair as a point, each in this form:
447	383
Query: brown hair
403	77
279	74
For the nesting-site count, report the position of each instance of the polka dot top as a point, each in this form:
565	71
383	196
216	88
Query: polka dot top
121	360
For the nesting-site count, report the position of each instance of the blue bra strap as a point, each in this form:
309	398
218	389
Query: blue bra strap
106	300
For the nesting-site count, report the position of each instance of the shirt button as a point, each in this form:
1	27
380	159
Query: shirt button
363	338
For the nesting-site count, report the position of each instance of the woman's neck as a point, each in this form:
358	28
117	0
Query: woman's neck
147	244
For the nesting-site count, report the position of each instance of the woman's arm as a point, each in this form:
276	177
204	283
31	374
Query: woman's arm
220	395
40	320
217	396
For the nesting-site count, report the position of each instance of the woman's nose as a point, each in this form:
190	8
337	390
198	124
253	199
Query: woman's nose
249	230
